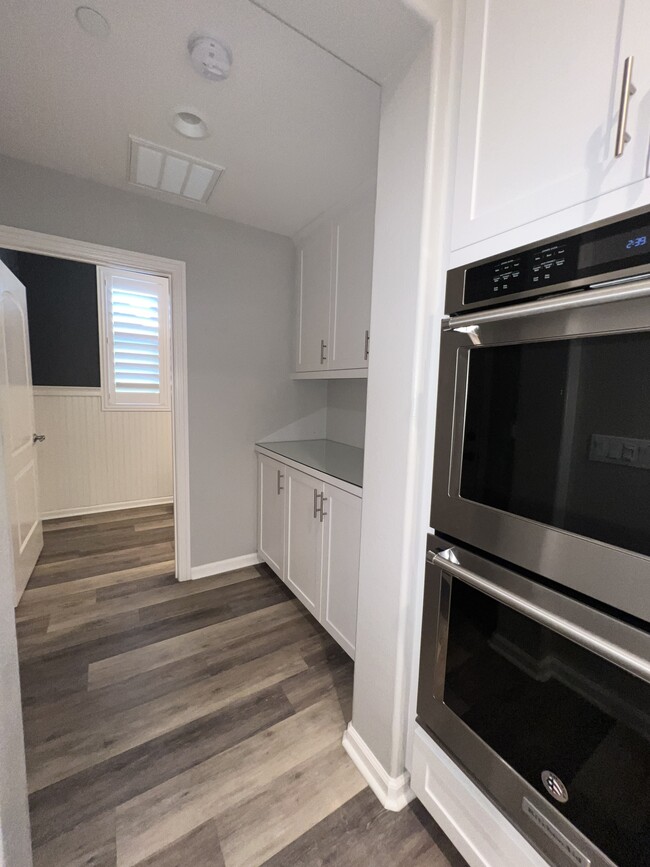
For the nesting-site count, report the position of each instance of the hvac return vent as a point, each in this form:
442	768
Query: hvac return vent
154	167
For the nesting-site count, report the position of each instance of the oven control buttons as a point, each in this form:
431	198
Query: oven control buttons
555	787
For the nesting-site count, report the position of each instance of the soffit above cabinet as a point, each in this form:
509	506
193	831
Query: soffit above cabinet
373	36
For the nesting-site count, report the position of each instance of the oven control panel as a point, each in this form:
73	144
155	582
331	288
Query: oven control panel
592	254
539	267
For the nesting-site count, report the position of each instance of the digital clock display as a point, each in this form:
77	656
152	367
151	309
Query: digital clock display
615	248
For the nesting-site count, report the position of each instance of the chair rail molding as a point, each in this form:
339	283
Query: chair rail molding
24	240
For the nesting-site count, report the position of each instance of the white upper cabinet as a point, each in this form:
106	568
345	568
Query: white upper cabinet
541	96
334	277
314	288
353	238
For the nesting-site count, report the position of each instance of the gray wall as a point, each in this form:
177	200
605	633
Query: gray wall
239	320
346	411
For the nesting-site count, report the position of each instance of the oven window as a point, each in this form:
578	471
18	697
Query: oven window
545	704
559	432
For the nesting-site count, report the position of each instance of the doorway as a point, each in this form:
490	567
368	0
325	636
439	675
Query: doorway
142	277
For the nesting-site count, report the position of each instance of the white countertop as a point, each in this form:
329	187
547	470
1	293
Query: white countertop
337	460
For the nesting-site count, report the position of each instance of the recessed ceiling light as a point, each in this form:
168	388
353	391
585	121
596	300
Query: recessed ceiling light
209	57
187	122
92	22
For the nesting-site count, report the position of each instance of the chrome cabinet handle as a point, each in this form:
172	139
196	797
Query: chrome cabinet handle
38	438
280	477
366	346
323	356
612	652
315	503
627	90
323	514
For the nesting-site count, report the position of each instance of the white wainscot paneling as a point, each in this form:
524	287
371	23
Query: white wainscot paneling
92	459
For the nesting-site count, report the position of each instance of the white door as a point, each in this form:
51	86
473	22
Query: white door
272	482
17	428
341	547
540	99
354	236
304	539
314	278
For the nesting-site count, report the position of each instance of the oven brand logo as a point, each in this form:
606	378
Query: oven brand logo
555	787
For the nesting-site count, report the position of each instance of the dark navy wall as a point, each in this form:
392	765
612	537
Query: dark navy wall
62	313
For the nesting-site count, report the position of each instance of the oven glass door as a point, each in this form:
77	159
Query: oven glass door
558	431
573	725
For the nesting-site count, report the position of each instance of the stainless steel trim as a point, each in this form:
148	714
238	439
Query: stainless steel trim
636	665
366	346
280	477
38	438
627	90
442	635
315	502
323	347
552	304
323	513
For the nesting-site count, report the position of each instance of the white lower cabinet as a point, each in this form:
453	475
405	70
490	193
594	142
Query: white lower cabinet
304	534
340	585
310	535
270	530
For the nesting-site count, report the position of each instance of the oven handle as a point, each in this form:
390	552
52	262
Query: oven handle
612	652
587	298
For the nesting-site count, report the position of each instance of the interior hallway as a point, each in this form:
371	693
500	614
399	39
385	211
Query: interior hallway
194	723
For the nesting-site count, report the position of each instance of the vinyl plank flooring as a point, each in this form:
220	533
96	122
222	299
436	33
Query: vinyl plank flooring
362	832
197	723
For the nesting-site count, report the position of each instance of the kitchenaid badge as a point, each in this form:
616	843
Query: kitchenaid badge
555	787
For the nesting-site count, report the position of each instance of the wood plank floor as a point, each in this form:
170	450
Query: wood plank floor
196	723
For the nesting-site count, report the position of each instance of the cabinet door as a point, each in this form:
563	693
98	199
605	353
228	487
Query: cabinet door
304	539
354	234
341	544
539	109
314	279
271	534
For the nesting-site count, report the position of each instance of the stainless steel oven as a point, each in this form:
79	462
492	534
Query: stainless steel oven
542	452
545	701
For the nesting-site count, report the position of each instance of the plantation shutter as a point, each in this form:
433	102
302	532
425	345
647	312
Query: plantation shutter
136	337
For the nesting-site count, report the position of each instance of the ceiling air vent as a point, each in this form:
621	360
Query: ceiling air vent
153	167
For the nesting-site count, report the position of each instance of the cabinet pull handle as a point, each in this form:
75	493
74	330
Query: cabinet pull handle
366	346
627	90
323	514
280	477
323	356
315	502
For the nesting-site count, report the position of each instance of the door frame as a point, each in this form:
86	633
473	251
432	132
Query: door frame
26	241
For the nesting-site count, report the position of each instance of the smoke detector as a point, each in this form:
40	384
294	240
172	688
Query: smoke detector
209	57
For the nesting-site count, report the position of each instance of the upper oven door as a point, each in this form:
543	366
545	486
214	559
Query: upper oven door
543	440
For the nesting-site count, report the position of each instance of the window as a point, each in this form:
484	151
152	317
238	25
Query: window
134	329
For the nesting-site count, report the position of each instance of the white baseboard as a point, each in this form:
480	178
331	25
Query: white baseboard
106	507
230	565
394	793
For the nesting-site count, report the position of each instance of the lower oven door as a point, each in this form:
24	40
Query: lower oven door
542	453
546	703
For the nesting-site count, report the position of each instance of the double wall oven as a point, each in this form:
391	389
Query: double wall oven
535	662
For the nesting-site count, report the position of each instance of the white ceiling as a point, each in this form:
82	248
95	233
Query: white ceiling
295	129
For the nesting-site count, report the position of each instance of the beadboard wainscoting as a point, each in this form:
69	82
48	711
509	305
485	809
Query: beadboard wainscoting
93	460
